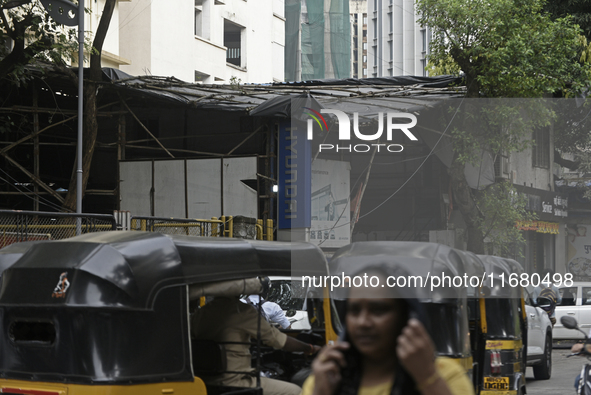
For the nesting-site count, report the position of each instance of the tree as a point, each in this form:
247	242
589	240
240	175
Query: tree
506	49
38	36
90	110
579	10
27	32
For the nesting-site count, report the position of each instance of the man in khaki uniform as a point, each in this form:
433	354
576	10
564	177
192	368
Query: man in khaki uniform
229	321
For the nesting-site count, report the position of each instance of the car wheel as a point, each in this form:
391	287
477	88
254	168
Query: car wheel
543	371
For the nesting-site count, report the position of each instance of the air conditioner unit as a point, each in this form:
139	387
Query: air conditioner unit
501	166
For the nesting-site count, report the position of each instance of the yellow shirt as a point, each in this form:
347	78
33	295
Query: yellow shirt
449	370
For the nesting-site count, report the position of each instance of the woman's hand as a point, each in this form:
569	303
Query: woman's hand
416	351
327	366
577	348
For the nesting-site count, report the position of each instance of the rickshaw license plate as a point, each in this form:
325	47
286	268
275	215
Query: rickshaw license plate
496	383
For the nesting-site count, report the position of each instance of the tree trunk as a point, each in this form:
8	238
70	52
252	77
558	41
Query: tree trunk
90	109
463	197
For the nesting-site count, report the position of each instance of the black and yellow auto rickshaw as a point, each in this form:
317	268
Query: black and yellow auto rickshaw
108	313
444	304
499	329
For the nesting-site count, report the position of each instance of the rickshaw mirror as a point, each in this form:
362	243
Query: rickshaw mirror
485	291
569	322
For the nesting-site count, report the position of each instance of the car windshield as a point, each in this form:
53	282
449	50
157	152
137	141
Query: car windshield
288	294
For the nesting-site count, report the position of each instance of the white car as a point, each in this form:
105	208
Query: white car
539	340
576	302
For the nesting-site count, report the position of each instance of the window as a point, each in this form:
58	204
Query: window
424	67
391	22
586	296
541	148
375	56
201	15
364	45
233	42
365	19
375	28
364	58
364	72
569	296
200	77
391	45
424	40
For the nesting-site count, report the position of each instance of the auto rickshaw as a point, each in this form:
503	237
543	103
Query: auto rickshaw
108	313
445	306
499	326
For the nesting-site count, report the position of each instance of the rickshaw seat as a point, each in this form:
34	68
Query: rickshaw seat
209	358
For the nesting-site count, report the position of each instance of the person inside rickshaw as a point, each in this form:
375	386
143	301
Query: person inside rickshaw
232	323
385	349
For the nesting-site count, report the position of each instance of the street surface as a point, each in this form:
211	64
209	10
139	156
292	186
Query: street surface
564	371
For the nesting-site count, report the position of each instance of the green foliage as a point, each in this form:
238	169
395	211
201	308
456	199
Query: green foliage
499	126
579	10
506	48
35	36
502	207
235	82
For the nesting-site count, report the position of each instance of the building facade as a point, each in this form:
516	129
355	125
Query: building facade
317	40
110	56
207	41
358	9
397	44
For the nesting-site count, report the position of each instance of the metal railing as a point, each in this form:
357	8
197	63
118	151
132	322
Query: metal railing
17	226
181	226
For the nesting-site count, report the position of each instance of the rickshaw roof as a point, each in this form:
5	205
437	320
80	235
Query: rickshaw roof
415	258
132	267
496	267
418	258
500	264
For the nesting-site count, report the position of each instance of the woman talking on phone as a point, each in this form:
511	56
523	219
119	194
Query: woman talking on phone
385	350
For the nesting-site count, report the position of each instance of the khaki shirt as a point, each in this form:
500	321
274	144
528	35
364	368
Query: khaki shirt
230	320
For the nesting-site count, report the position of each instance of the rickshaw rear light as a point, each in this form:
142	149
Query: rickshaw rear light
27	391
495	362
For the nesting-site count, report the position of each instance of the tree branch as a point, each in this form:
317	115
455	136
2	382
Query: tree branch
99	39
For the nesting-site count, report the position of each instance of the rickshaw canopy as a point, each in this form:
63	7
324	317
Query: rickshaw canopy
129	269
427	260
113	307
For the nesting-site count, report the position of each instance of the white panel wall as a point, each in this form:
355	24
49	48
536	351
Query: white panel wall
169	188
135	185
238	198
204	186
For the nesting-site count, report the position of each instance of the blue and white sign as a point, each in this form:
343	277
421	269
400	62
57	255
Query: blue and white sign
295	170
